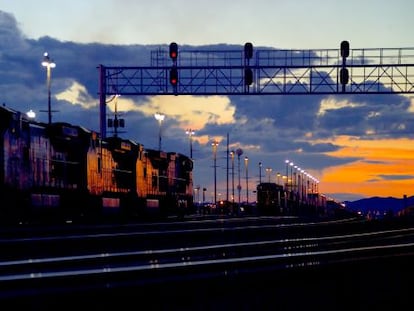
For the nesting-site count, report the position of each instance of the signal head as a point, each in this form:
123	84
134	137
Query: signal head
173	50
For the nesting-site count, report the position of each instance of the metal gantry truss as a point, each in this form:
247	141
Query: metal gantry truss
275	72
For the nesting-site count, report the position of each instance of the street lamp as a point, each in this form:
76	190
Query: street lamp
49	64
31	114
239	152
287	173
295	179
246	162
260	172
269	172
214	144
159	117
278	177
232	176
190	134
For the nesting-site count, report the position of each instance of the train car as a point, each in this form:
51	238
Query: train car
316	204
111	175
41	168
270	199
15	165
58	161
164	182
273	199
154	183
180	182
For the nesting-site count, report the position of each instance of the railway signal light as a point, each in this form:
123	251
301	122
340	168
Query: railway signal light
248	76
174	76
344	76
344	49
248	50
344	73
173	50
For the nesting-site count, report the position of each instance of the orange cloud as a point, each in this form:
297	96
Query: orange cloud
384	168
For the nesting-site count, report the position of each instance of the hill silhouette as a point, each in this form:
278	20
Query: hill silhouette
380	205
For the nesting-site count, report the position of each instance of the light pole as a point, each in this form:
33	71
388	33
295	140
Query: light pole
159	117
295	184
246	162
49	64
302	179
260	172
232	175
214	144
190	134
269	172
287	173
239	153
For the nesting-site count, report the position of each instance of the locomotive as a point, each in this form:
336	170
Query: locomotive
61	171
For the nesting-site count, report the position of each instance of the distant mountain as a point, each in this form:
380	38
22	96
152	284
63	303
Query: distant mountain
379	205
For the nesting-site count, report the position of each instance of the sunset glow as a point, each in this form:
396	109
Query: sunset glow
382	168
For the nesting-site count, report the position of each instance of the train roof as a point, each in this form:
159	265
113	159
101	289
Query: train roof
117	138
8	110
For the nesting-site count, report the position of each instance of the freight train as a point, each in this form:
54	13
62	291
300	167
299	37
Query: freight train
61	171
274	199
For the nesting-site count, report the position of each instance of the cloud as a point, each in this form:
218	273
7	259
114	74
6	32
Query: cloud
331	104
77	94
191	111
367	117
11	37
396	177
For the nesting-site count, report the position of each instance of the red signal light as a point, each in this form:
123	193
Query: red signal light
173	50
174	76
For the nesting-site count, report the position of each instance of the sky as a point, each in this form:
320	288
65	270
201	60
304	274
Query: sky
357	146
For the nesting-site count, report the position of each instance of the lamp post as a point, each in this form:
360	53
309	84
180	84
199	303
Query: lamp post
159	117
295	179
246	162
302	182
49	64
239	153
287	173
232	176
260	172
269	173
190	134
214	144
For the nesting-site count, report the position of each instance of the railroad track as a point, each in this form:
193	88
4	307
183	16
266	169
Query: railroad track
143	258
